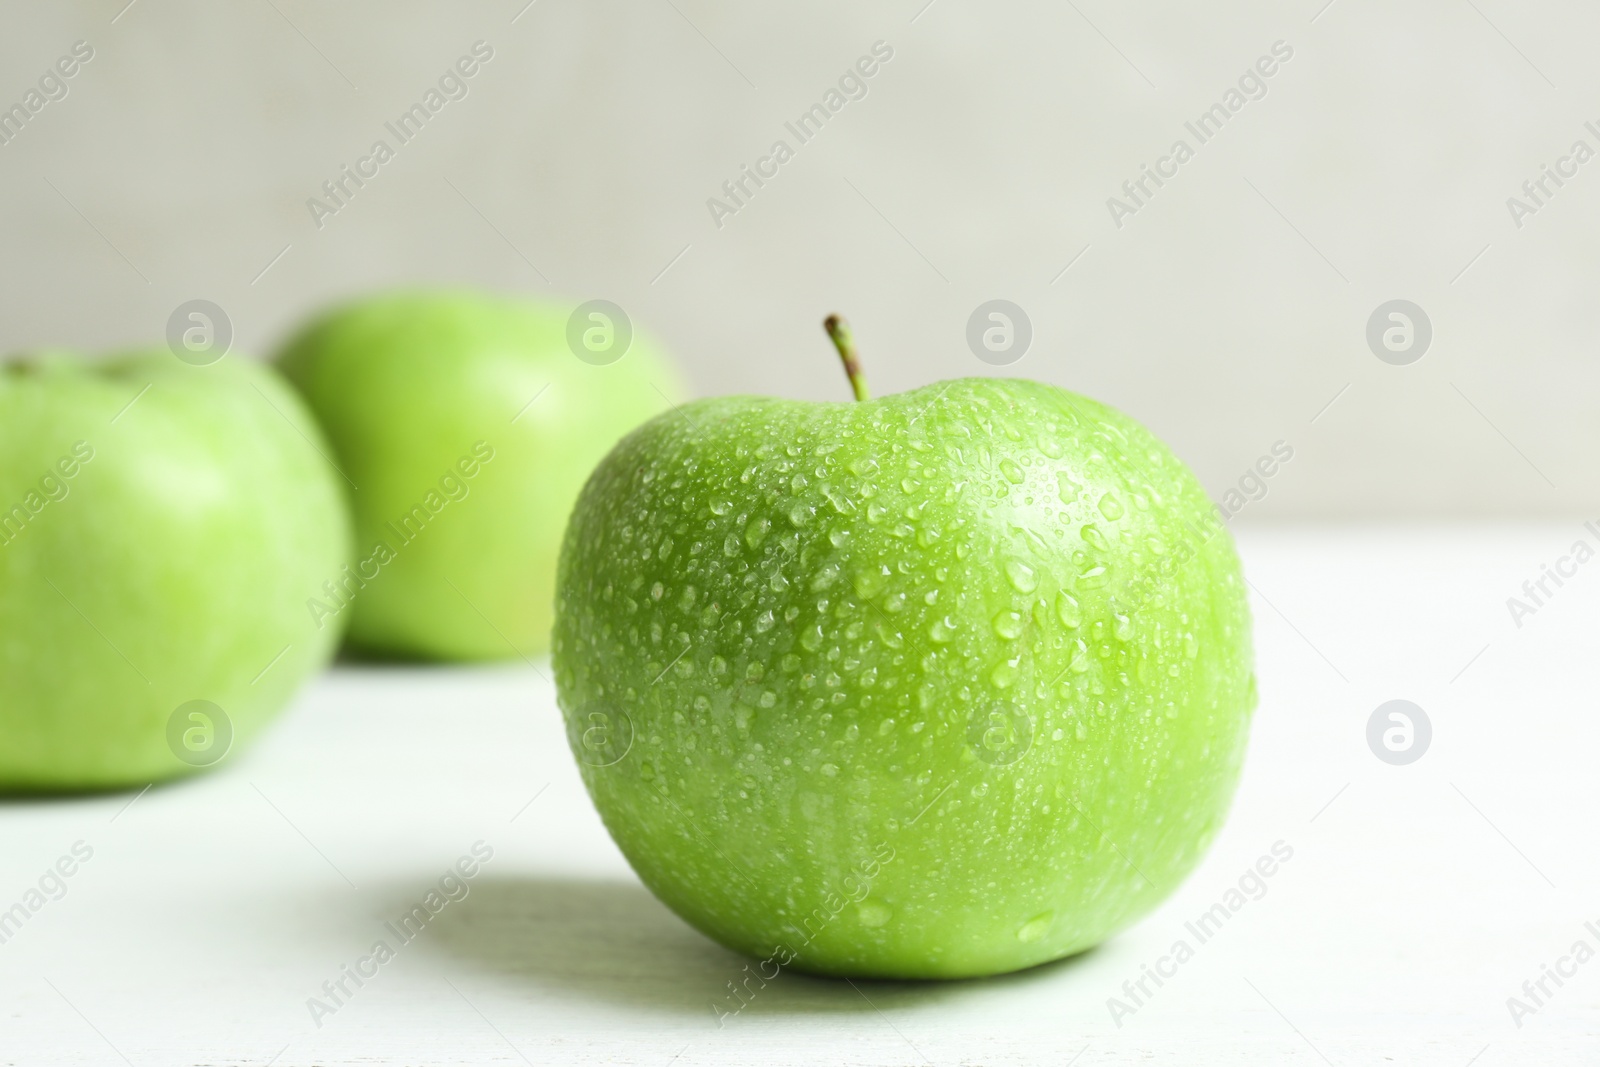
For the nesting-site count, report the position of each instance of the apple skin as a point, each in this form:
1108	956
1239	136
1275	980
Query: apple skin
176	566
790	638
407	386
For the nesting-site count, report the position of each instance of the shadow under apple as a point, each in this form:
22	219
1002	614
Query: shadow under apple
615	942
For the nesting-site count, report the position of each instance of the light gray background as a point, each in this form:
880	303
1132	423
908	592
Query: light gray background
1227	314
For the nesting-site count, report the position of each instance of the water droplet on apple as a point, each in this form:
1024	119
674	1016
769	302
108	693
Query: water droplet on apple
831	770
1068	612
873	913
1021	576
1094	538
1008	624
755	532
1111	507
765	621
840	502
826	575
1036	927
1093	578
1004	675
942	630
1012	471
1124	627
868	581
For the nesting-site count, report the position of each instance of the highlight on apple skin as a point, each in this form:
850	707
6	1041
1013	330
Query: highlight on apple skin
467	423
946	684
161	526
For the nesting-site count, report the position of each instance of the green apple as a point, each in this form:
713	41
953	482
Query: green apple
161	526
466	424
945	684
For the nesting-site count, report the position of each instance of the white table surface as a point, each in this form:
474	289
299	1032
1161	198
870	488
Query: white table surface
1419	897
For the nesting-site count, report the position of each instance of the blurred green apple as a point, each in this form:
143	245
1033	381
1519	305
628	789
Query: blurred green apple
944	684
161	526
467	423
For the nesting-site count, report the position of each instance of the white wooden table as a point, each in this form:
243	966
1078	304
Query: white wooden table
1419	898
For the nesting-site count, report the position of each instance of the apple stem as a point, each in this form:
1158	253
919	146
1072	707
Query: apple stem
845	342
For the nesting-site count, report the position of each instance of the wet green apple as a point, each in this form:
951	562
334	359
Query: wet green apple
466	424
161	526
944	684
